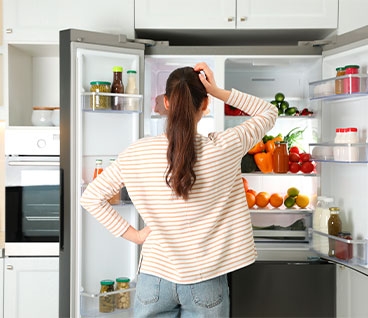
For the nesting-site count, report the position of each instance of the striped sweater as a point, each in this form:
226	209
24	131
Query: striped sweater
211	233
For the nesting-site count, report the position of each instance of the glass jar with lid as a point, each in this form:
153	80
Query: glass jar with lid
339	83
123	298
352	82
107	303
97	100
280	158
334	228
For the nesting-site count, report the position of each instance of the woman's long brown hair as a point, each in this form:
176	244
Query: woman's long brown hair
185	93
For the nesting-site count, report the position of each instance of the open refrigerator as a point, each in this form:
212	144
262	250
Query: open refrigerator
88	134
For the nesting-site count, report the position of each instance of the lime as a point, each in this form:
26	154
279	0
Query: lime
293	192
289	202
279	97
280	112
302	201
275	103
291	111
284	105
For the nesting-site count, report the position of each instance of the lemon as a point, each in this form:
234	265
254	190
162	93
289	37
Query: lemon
292	192
289	202
302	201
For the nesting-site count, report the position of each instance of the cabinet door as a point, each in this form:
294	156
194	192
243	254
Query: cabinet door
287	14
190	14
41	20
31	287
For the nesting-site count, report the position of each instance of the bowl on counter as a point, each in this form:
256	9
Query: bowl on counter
42	116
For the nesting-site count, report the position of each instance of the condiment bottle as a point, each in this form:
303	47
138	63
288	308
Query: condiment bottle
352	152
334	228
339	83
131	103
123	298
280	158
98	168
116	198
107	303
351	83
117	87
339	139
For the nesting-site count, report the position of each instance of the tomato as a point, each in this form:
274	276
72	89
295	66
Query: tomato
294	157
294	149
294	167
233	111
305	157
307	167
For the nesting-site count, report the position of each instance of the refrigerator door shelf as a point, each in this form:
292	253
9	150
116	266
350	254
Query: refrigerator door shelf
342	153
348	252
102	102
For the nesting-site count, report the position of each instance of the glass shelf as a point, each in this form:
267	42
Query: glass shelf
347	252
346	153
129	103
259	173
354	85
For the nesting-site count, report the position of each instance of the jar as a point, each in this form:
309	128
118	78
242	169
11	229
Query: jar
117	87
351	83
339	83
123	298
98	101
334	228
107	303
280	158
344	250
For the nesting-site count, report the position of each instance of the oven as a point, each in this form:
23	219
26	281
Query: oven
32	193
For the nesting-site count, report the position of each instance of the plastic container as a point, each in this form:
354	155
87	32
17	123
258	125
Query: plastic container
117	87
42	116
55	117
352	152
339	83
351	83
107	303
98	101
280	158
122	300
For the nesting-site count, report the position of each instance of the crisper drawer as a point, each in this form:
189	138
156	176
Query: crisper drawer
281	225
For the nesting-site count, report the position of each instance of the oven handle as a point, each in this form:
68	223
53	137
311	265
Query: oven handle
42	218
34	163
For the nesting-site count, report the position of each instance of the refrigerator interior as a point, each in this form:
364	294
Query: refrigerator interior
102	134
157	70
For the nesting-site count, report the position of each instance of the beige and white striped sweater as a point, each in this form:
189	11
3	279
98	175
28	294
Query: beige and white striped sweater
206	236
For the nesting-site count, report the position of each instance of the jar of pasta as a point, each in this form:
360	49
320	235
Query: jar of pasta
107	303
97	100
123	298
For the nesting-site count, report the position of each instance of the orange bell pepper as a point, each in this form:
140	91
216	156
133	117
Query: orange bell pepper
258	147
270	145
264	161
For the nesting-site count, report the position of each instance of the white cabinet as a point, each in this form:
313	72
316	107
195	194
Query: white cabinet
241	14
41	20
31	287
352	15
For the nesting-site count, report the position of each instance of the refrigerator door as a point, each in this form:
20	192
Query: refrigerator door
88	252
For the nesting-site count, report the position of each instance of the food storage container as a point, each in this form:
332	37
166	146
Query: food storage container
97	100
41	116
55	117
107	303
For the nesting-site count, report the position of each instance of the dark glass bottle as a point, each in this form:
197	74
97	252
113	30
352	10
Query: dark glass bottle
117	87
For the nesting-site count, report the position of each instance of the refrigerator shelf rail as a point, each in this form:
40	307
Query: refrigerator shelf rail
95	101
352	85
347	152
347	252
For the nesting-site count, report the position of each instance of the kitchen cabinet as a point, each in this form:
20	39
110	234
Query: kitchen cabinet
352	15
31	287
30	22
241	14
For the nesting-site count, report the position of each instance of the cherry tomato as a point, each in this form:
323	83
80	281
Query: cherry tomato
294	167
294	149
307	167
294	157
305	157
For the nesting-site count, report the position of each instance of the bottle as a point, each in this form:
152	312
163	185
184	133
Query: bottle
323	223
334	228
338	140
98	168
107	303
352	82
131	103
339	83
117	87
352	152
122	300
116	198
280	158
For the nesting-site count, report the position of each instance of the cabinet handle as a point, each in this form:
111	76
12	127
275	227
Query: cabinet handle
243	19
230	19
9	30
9	267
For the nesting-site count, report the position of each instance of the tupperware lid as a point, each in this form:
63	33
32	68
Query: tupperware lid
107	282
122	280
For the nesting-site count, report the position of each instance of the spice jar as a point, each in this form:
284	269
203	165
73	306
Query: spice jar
352	82
123	298
98	101
107	303
334	228
339	83
280	158
344	250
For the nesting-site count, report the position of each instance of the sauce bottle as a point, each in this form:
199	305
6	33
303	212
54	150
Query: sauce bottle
280	158
131	103
334	228
98	168
117	87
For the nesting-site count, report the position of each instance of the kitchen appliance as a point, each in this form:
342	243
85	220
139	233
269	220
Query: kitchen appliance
32	192
88	134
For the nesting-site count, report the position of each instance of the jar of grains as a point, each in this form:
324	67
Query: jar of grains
107	303
123	298
98	101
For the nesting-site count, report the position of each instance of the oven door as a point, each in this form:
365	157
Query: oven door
32	207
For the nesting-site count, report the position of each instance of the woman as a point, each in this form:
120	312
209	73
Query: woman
188	190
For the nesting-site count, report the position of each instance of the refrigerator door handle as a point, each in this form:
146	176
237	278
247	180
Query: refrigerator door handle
61	213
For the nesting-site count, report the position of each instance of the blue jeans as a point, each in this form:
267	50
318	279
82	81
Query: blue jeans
157	297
